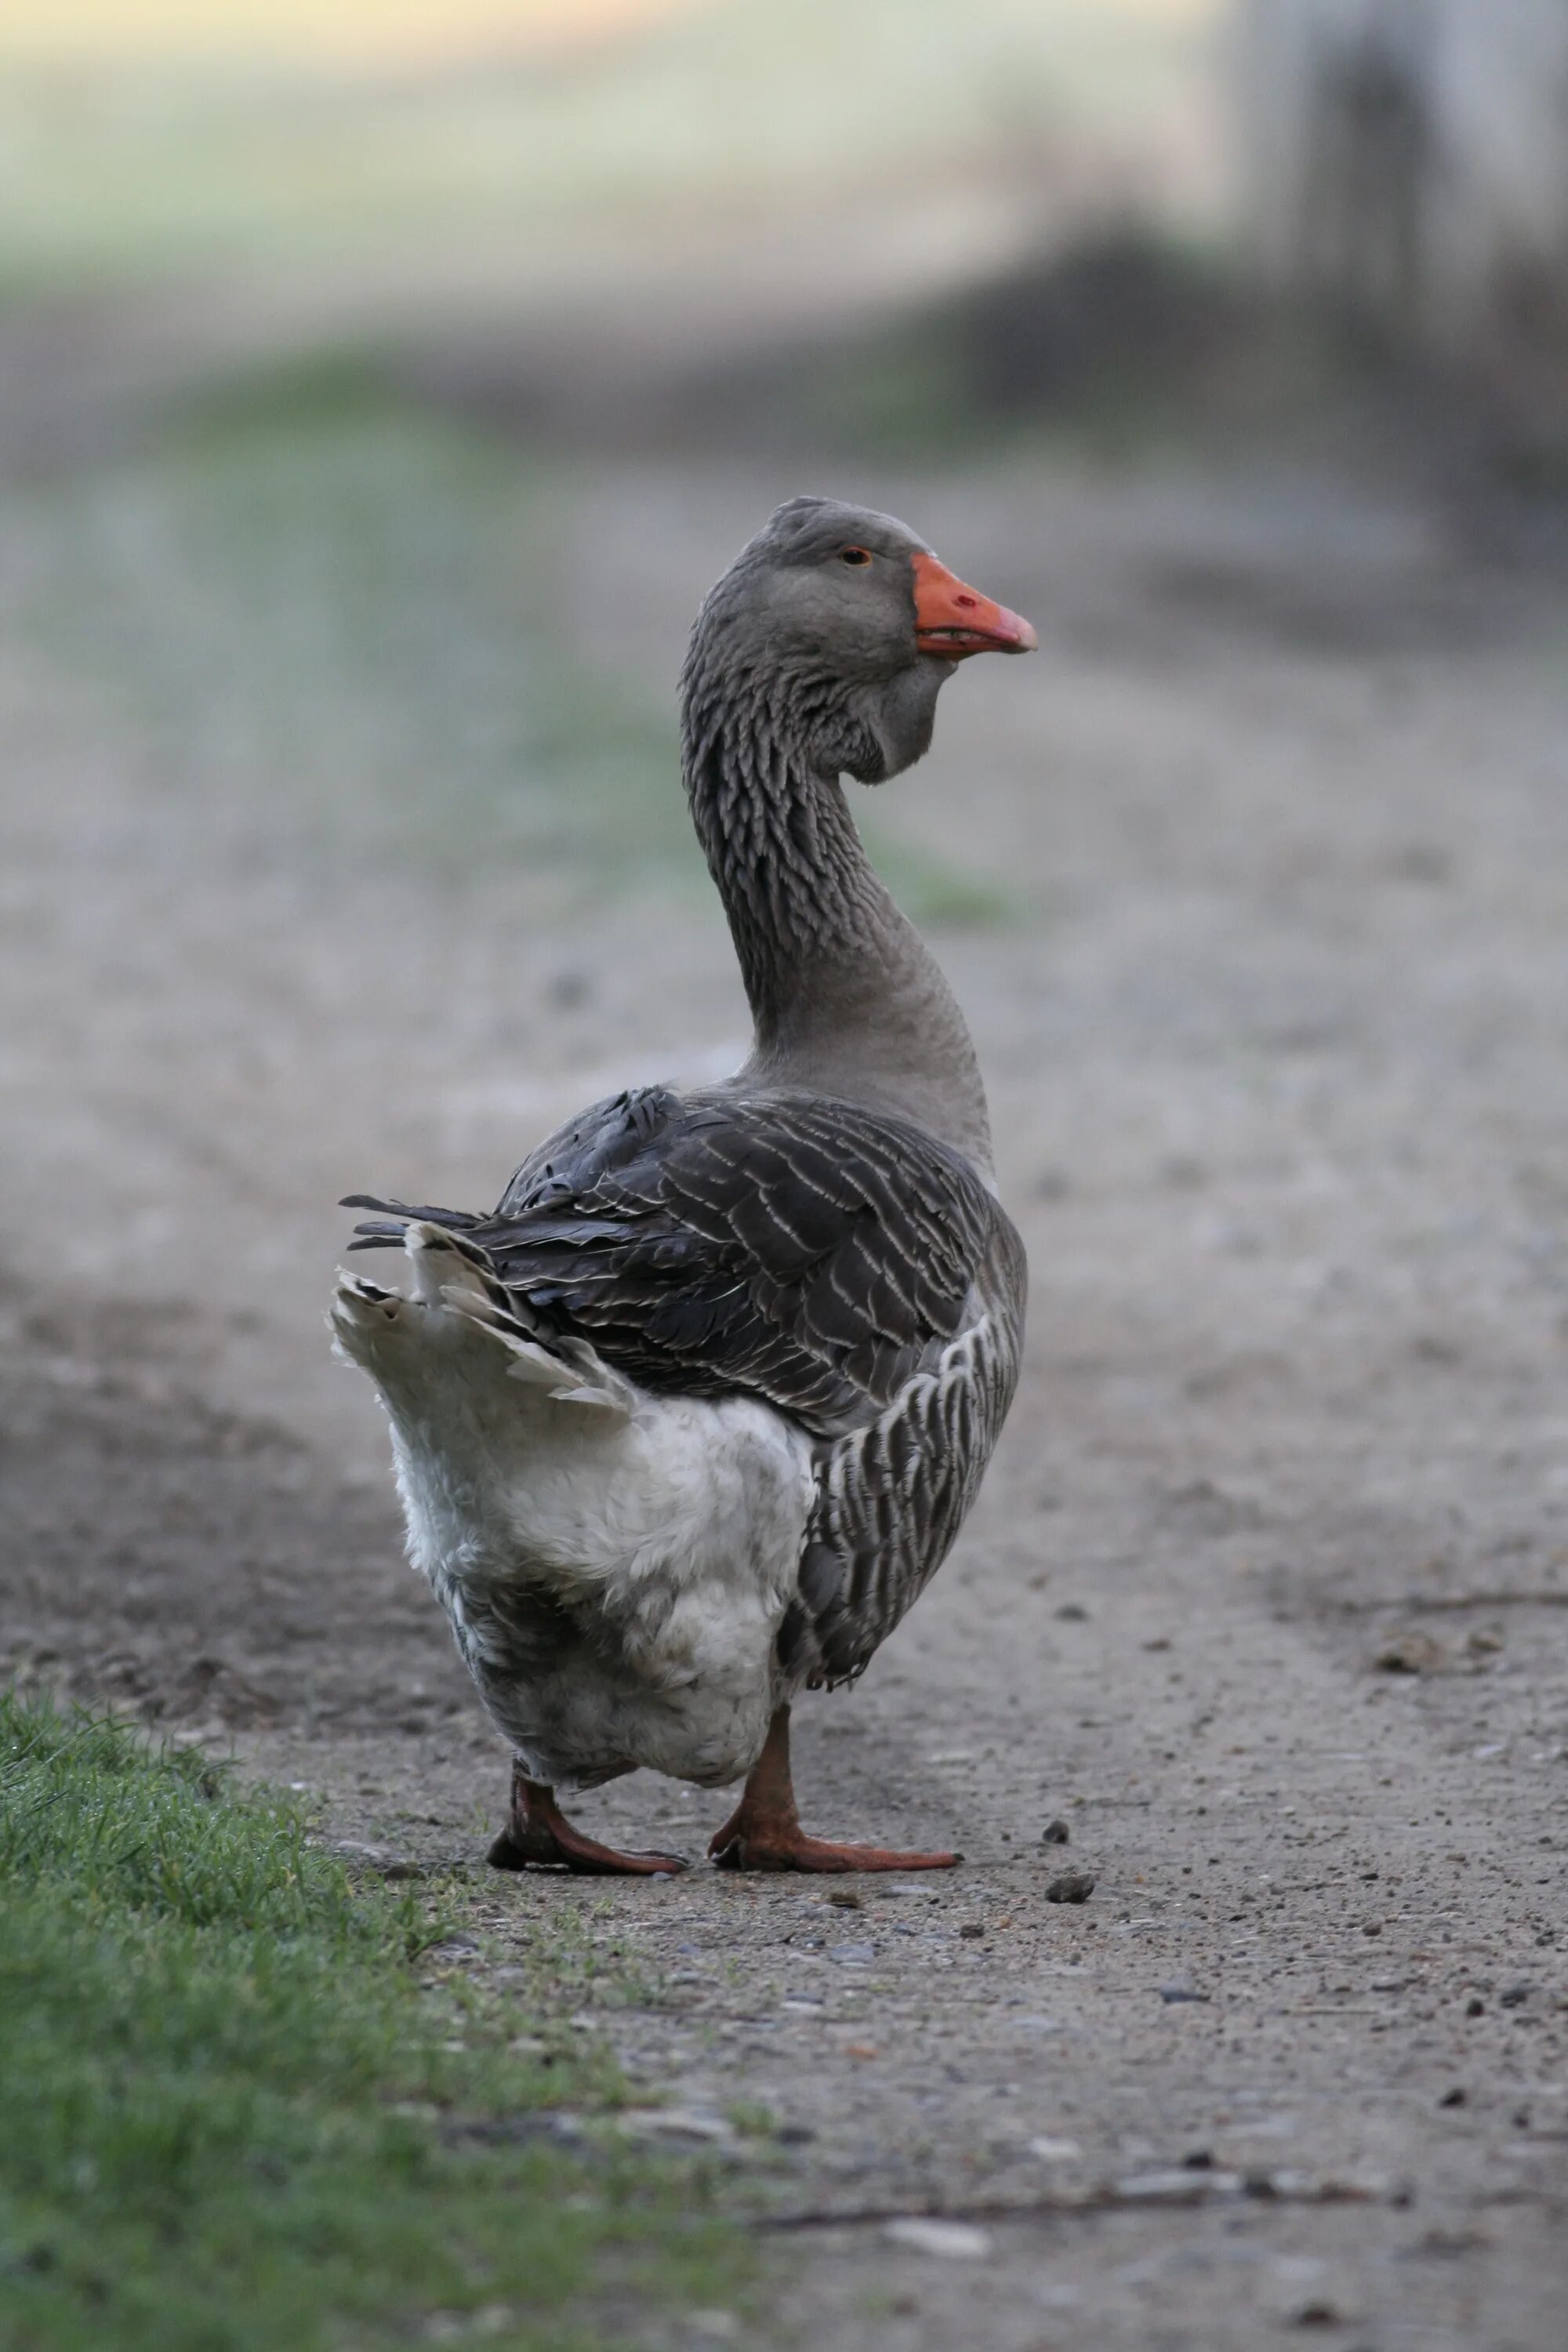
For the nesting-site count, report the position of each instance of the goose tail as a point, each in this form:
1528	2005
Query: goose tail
389	1226
457	1319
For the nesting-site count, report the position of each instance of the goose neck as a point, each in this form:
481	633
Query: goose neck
845	999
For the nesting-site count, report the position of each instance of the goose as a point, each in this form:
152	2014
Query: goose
693	1416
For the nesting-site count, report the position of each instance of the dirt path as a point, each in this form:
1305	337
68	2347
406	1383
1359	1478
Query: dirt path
1277	1037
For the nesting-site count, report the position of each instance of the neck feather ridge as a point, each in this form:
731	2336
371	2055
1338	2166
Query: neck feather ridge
845	999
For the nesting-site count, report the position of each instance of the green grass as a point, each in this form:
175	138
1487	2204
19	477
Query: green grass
240	2116
318	619
315	617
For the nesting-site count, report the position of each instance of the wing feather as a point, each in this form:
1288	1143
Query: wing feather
808	1252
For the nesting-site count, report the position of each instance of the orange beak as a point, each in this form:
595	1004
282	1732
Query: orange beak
954	621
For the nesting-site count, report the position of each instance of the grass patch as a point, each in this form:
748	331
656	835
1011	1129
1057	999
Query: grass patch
240	2118
313	617
318	619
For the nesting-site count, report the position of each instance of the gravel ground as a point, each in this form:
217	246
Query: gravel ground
1267	1601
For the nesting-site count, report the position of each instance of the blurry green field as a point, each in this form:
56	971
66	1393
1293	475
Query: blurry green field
313	619
236	2119
125	170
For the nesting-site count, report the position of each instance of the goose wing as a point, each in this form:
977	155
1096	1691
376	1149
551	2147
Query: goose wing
803	1250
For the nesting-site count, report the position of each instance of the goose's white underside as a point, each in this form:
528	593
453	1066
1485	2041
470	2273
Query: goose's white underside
615	1564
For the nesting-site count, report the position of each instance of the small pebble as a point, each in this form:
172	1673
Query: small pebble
1516	1996
1073	1612
957	2240
1176	1990
675	2123
1055	1832
845	1900
1414	1653
852	1955
1454	2098
1070	1886
1172	2184
451	1948
1475	2007
971	1932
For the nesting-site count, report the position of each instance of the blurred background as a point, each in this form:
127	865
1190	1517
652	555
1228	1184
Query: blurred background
382	385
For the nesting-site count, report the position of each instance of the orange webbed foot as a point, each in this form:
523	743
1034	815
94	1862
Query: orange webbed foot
539	1836
764	1849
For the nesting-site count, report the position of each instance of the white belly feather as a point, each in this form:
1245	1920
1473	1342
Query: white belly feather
615	1564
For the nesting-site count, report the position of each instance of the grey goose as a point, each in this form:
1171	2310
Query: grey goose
693	1416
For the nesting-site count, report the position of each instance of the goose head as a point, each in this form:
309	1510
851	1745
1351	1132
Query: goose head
845	627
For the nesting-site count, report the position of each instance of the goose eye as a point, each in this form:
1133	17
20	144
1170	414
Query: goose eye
857	556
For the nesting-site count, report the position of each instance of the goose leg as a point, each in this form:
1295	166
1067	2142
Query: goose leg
763	1833
537	1831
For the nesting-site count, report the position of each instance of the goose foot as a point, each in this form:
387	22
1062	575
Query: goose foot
538	1833
763	1833
735	1850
